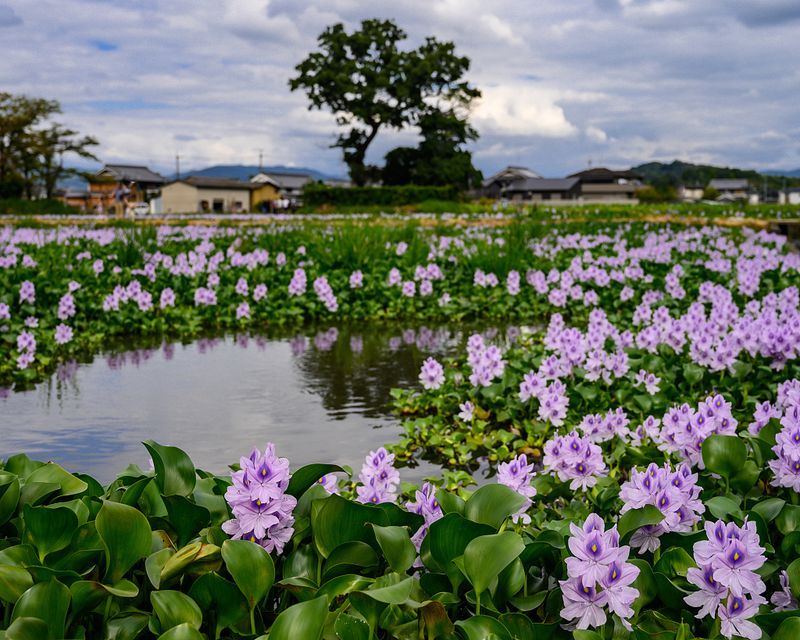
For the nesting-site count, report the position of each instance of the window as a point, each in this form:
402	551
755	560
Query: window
204	205
219	205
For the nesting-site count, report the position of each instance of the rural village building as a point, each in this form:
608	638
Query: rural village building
543	189
731	189
608	186
494	186
104	186
202	194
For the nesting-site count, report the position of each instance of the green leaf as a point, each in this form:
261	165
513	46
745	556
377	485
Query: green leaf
47	601
173	608
448	537
306	476
349	557
26	629
186	517
492	504
769	508
51	473
196	556
14	581
794	577
126	535
251	568
335	521
49	529
392	594
212	592
724	455
789	630
9	496
693	373
674	562
184	631
483	627
450	502
397	547
305	620
635	518
645	583
722	506
349	627
788	520
486	556
175	472
341	585
126	626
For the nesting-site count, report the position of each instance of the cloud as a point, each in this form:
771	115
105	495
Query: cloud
615	81
8	18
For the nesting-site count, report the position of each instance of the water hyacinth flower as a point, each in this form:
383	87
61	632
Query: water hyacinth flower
262	510
260	292
784	600
674	492
431	375
205	297
5	312
517	475
32	322
356	280
649	380
429	508
574	459
467	411
241	287
599	576
378	477
727	562
409	288
243	311
329	483
297	286
787	449
167	298
63	334
27	293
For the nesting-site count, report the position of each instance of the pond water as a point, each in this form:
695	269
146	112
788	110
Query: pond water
319	395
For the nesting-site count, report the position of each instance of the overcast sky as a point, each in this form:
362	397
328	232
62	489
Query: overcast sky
565	83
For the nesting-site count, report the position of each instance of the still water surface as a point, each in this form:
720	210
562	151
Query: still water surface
320	396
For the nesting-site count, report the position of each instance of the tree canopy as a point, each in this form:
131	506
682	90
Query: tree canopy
32	146
369	83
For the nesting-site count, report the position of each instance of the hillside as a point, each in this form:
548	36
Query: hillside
684	173
245	172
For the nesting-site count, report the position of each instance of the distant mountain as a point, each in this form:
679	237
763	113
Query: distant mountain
245	172
794	173
685	173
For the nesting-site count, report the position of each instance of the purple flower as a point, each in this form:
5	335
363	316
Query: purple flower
431	374
243	311
5	313
262	510
736	614
205	297
329	483
583	603
467	411
241	287
259	292
356	280
517	475
167	298
32	322
409	288
97	267
27	293
784	600
575	459
297	286
429	508
379	479
63	334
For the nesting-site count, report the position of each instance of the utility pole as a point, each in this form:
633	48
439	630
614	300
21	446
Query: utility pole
177	166
260	159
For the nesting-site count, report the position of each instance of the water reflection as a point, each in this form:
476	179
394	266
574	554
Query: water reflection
321	395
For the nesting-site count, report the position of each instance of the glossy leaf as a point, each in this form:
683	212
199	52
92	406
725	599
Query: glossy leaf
126	535
486	556
349	627
174	608
397	547
26	629
492	504
126	626
251	568
788	630
48	529
631	520
396	593
175	473
14	581
51	473
724	455
213	593
183	631
304	620
449	536
336	521
9	496
306	476
48	601
186	517
483	627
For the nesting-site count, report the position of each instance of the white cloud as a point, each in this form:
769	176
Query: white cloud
521	111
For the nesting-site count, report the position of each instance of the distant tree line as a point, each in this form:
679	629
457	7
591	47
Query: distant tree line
33	147
370	84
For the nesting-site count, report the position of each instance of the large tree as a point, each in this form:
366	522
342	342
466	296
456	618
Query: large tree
32	147
369	83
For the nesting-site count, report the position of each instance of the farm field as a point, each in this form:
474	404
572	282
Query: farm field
624	462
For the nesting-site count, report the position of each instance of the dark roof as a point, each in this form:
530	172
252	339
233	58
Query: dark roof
601	174
541	184
210	182
511	173
287	180
725	184
131	173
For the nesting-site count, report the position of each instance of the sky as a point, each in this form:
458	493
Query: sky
566	84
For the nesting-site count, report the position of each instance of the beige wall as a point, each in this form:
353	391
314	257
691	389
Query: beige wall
184	198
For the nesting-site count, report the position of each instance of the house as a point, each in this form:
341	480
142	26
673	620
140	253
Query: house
542	190
789	196
600	184
204	194
690	192
493	186
115	182
731	189
288	185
